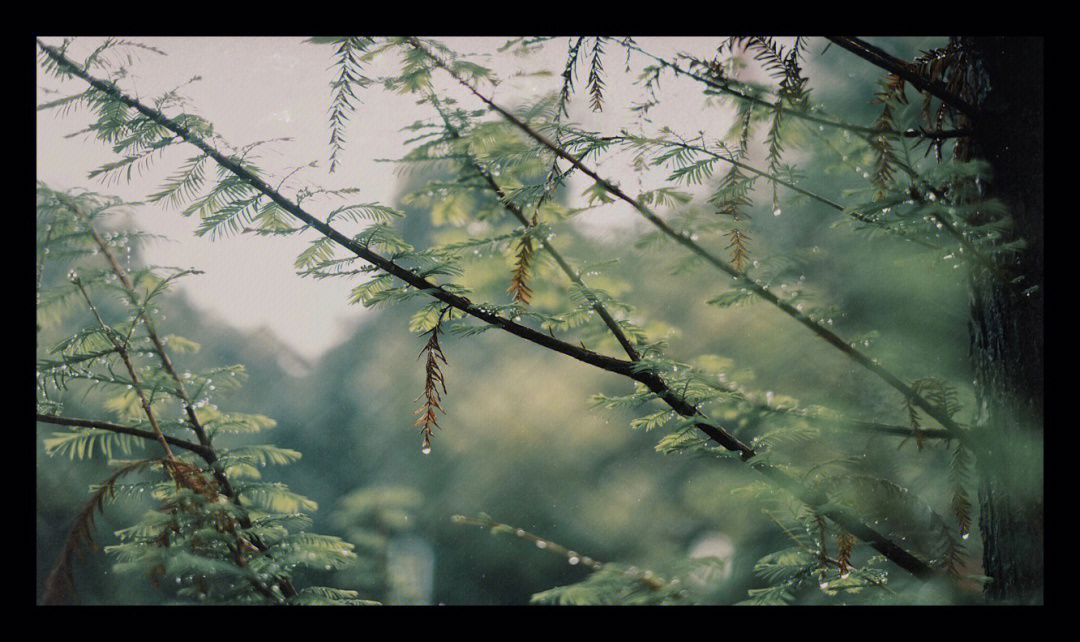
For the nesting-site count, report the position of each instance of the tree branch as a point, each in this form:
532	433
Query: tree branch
198	449
893	65
126	358
569	271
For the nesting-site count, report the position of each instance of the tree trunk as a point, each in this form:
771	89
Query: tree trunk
1006	325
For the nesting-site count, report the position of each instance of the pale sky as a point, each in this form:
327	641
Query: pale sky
261	88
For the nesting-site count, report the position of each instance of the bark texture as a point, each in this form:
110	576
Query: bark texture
1006	326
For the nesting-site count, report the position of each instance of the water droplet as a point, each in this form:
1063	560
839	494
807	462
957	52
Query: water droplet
573	560
426	450
776	212
541	543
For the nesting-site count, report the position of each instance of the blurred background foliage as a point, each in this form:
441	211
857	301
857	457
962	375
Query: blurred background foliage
520	440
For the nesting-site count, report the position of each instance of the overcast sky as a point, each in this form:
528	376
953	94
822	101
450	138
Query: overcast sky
255	89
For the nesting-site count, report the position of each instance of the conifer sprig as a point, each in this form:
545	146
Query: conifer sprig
120	347
595	82
213	510
433	381
647	578
60	582
519	281
349	50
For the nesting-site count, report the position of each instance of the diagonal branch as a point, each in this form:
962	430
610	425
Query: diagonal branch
616	330
817	499
894	65
566	268
122	350
727	89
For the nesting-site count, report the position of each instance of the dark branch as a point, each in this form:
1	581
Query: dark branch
894	65
198	449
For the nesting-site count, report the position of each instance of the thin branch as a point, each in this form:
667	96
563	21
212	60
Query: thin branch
769	177
159	347
198	449
126	358
724	87
566	268
646	578
835	124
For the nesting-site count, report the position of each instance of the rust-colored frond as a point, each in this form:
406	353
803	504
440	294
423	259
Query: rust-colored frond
732	198
823	539
951	66
433	381
739	252
891	93
191	477
60	583
595	82
953	557
519	282
845	542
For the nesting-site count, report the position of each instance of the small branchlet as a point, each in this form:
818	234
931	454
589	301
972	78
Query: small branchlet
739	252
595	83
519	282
60	583
732	198
960	505
891	93
433	380
938	393
845	542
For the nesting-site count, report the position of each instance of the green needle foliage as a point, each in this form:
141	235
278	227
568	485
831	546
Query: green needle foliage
859	517
213	530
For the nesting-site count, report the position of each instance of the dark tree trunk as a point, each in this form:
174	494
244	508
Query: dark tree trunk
1007	325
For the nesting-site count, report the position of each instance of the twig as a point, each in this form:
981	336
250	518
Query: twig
198	449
